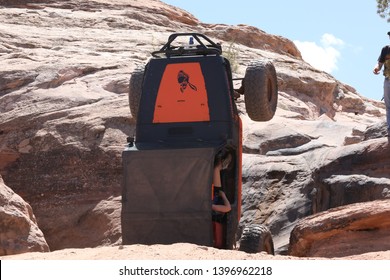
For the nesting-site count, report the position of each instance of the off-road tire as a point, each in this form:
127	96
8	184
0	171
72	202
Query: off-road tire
135	90
260	90
256	238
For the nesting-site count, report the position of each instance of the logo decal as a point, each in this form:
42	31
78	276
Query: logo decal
184	80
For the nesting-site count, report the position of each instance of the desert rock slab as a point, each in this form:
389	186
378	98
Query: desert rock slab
343	231
19	231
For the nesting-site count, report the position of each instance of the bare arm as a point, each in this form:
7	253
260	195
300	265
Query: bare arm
217	175
378	68
226	207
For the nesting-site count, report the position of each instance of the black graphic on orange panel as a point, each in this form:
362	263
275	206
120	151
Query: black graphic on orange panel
184	80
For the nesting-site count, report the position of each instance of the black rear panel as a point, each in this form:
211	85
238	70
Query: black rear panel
167	196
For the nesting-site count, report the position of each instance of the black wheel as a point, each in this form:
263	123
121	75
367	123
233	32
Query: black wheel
255	239
260	90
135	90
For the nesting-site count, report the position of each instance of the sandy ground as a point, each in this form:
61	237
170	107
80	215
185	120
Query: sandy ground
179	251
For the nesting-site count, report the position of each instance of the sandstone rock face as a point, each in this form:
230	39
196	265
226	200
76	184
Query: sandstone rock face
343	231
64	119
19	232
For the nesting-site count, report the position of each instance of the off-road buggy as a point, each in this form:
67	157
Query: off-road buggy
184	104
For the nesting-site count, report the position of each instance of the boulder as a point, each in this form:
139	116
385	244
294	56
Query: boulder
343	231
19	231
350	174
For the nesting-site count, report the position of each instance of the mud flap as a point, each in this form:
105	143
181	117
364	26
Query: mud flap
166	196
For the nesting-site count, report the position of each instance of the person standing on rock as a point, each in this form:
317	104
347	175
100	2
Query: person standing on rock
384	60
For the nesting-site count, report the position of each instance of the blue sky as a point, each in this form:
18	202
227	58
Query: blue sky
341	37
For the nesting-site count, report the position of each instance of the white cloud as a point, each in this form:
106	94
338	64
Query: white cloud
329	40
324	56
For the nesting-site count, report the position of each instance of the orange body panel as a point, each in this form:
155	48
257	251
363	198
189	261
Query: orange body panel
218	236
182	95
239	175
